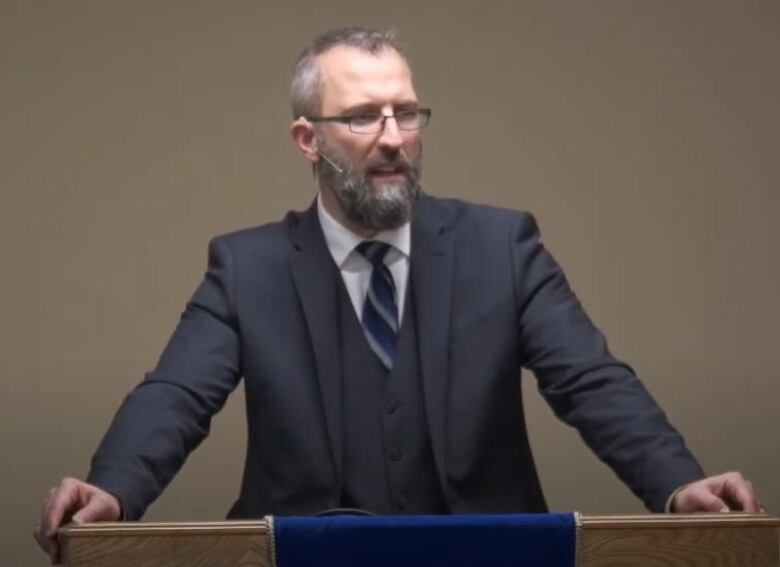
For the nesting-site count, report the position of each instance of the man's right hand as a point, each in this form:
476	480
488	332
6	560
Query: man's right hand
77	501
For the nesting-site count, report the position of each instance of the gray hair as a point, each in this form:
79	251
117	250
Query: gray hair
305	87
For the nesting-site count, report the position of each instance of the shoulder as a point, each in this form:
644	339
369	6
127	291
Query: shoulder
458	215
264	243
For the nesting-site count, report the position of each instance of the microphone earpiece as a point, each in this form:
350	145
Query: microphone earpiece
330	162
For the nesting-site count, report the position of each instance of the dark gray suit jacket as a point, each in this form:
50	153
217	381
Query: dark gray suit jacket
490	300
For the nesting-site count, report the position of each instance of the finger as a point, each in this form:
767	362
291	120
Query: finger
761	507
739	492
54	553
65	498
698	497
42	515
97	509
39	537
49	545
705	501
46	504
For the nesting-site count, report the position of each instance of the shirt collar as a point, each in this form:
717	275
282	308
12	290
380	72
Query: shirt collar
341	241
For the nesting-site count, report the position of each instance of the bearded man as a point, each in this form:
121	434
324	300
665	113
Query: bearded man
380	336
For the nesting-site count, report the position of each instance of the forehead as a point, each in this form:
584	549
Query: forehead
352	77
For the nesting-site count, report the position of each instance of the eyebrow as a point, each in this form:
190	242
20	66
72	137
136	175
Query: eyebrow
372	107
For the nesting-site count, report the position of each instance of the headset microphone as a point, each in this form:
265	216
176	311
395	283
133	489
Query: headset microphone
330	162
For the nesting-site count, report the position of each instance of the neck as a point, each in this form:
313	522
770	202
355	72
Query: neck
332	205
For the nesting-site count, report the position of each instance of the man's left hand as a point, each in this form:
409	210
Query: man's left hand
722	493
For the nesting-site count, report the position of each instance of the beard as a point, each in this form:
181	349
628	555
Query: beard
373	205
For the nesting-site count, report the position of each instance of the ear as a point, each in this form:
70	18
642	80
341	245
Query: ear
302	132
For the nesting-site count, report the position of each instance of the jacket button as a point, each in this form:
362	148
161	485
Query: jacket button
401	503
396	455
392	407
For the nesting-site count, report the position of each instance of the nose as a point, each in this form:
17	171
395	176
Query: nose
390	138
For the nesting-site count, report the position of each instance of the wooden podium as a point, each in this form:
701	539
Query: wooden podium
697	540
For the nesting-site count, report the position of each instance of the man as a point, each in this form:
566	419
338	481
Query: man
380	335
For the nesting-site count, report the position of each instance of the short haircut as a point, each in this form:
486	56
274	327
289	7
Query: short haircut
305	89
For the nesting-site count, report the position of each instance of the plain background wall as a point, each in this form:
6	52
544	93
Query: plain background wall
644	136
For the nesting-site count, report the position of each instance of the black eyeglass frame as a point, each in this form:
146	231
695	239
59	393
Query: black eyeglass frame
347	119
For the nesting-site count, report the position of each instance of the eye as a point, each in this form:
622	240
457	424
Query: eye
406	114
364	119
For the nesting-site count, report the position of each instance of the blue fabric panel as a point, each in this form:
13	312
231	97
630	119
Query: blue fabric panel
529	540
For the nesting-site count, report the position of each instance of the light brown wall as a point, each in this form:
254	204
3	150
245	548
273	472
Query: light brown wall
644	135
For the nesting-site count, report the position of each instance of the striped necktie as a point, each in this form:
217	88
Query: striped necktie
380	310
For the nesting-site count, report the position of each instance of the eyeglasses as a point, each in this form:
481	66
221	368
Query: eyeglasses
374	122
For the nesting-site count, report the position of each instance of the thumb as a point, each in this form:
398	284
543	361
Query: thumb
96	510
712	503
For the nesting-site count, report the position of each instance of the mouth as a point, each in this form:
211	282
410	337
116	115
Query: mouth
387	172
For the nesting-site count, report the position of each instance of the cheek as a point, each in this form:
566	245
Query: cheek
412	147
355	149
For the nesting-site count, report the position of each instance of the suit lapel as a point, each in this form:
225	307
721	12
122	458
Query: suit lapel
431	277
316	281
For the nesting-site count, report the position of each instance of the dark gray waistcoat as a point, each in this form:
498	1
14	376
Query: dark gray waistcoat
388	462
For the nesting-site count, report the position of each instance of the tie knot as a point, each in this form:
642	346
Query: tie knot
373	251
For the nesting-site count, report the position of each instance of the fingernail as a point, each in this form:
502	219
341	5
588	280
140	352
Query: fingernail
76	519
724	510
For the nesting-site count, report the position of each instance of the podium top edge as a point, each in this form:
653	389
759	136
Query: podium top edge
731	519
264	525
261	526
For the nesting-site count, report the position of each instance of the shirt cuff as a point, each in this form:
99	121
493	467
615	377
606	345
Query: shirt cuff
668	507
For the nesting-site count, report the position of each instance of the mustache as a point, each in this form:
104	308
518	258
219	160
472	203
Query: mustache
399	163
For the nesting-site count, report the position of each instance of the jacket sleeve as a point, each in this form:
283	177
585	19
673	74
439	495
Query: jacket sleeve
586	386
169	413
